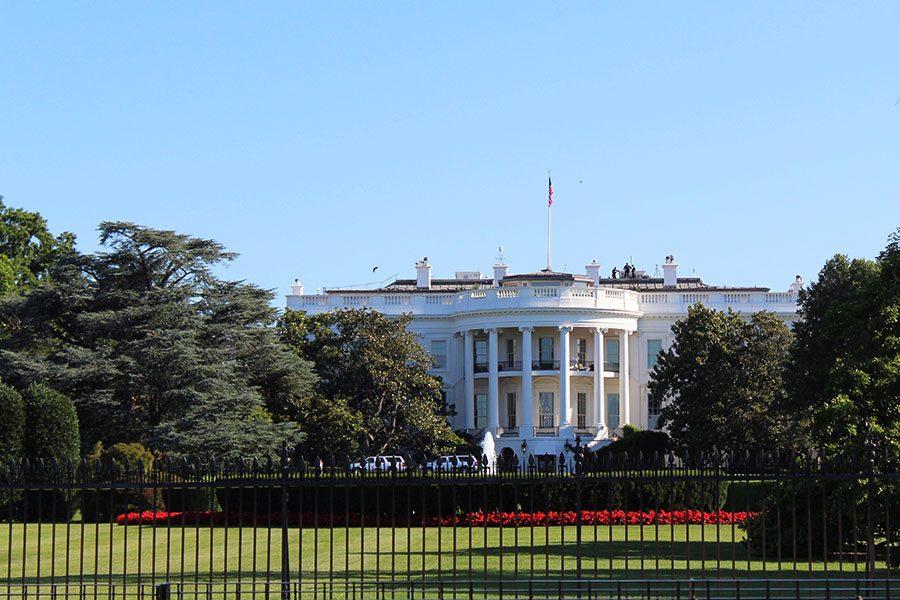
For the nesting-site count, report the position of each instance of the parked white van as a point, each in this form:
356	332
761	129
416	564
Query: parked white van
453	463
379	463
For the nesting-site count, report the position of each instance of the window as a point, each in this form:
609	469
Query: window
546	399
612	355
480	411
511	410
653	349
439	353
581	410
612	410
510	352
581	351
654	407
481	353
545	346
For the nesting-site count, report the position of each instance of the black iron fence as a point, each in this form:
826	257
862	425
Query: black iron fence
578	525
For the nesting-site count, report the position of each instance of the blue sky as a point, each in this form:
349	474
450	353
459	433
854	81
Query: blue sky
752	140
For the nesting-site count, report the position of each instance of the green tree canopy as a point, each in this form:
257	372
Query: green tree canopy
28	251
12	423
721	382
373	367
155	349
845	368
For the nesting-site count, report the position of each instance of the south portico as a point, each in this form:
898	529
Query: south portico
545	381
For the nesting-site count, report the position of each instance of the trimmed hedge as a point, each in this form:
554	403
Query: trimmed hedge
51	434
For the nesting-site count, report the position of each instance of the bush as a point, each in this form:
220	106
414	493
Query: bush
120	460
51	426
636	443
12	430
51	435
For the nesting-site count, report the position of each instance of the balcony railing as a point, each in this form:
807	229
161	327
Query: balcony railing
581	365
545	365
546	431
611	366
481	367
509	365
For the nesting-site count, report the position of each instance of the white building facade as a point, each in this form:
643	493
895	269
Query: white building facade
542	359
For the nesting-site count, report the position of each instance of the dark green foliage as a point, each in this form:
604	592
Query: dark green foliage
845	369
51	426
28	251
722	382
12	424
129	461
51	438
374	367
154	348
637	444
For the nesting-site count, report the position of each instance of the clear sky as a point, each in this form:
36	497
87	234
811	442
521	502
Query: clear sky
752	140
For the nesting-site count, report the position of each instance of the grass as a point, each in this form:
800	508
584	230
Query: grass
111	553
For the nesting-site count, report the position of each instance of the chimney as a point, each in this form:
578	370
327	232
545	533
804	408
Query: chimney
423	274
593	271
797	285
670	272
297	288
499	273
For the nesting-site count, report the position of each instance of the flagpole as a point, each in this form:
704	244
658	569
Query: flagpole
549	217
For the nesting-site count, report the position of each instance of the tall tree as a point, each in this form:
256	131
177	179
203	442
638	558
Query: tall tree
154	348
845	368
28	250
721	382
375	365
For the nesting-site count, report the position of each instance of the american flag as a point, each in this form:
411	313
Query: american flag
549	191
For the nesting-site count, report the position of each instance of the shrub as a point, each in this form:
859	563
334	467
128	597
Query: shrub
636	443
51	436
12	430
121	460
51	425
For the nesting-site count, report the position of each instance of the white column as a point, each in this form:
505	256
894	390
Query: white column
565	413
624	400
469	369
493	407
599	386
526	429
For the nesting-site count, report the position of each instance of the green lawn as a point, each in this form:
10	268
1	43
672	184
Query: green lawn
133	554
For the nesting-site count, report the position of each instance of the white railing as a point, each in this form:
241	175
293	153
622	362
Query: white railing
669	302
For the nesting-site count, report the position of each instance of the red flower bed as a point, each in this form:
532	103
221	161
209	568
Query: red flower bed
476	519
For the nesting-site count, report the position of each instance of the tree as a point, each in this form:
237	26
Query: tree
845	364
12	424
721	382
28	250
376	365
155	349
51	425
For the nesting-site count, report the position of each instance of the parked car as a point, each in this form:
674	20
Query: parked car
453	463
379	463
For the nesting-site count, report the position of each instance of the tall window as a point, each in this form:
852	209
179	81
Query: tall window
612	354
546	400
480	411
511	410
510	352
546	352
581	351
654	407
653	348
439	353
612	410
481	353
581	410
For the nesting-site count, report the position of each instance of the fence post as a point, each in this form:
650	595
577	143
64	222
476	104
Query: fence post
285	554
163	591
870	511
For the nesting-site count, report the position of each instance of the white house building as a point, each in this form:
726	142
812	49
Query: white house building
540	358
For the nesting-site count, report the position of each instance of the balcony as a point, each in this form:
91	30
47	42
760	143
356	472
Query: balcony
481	367
546	431
545	365
581	365
509	365
611	366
